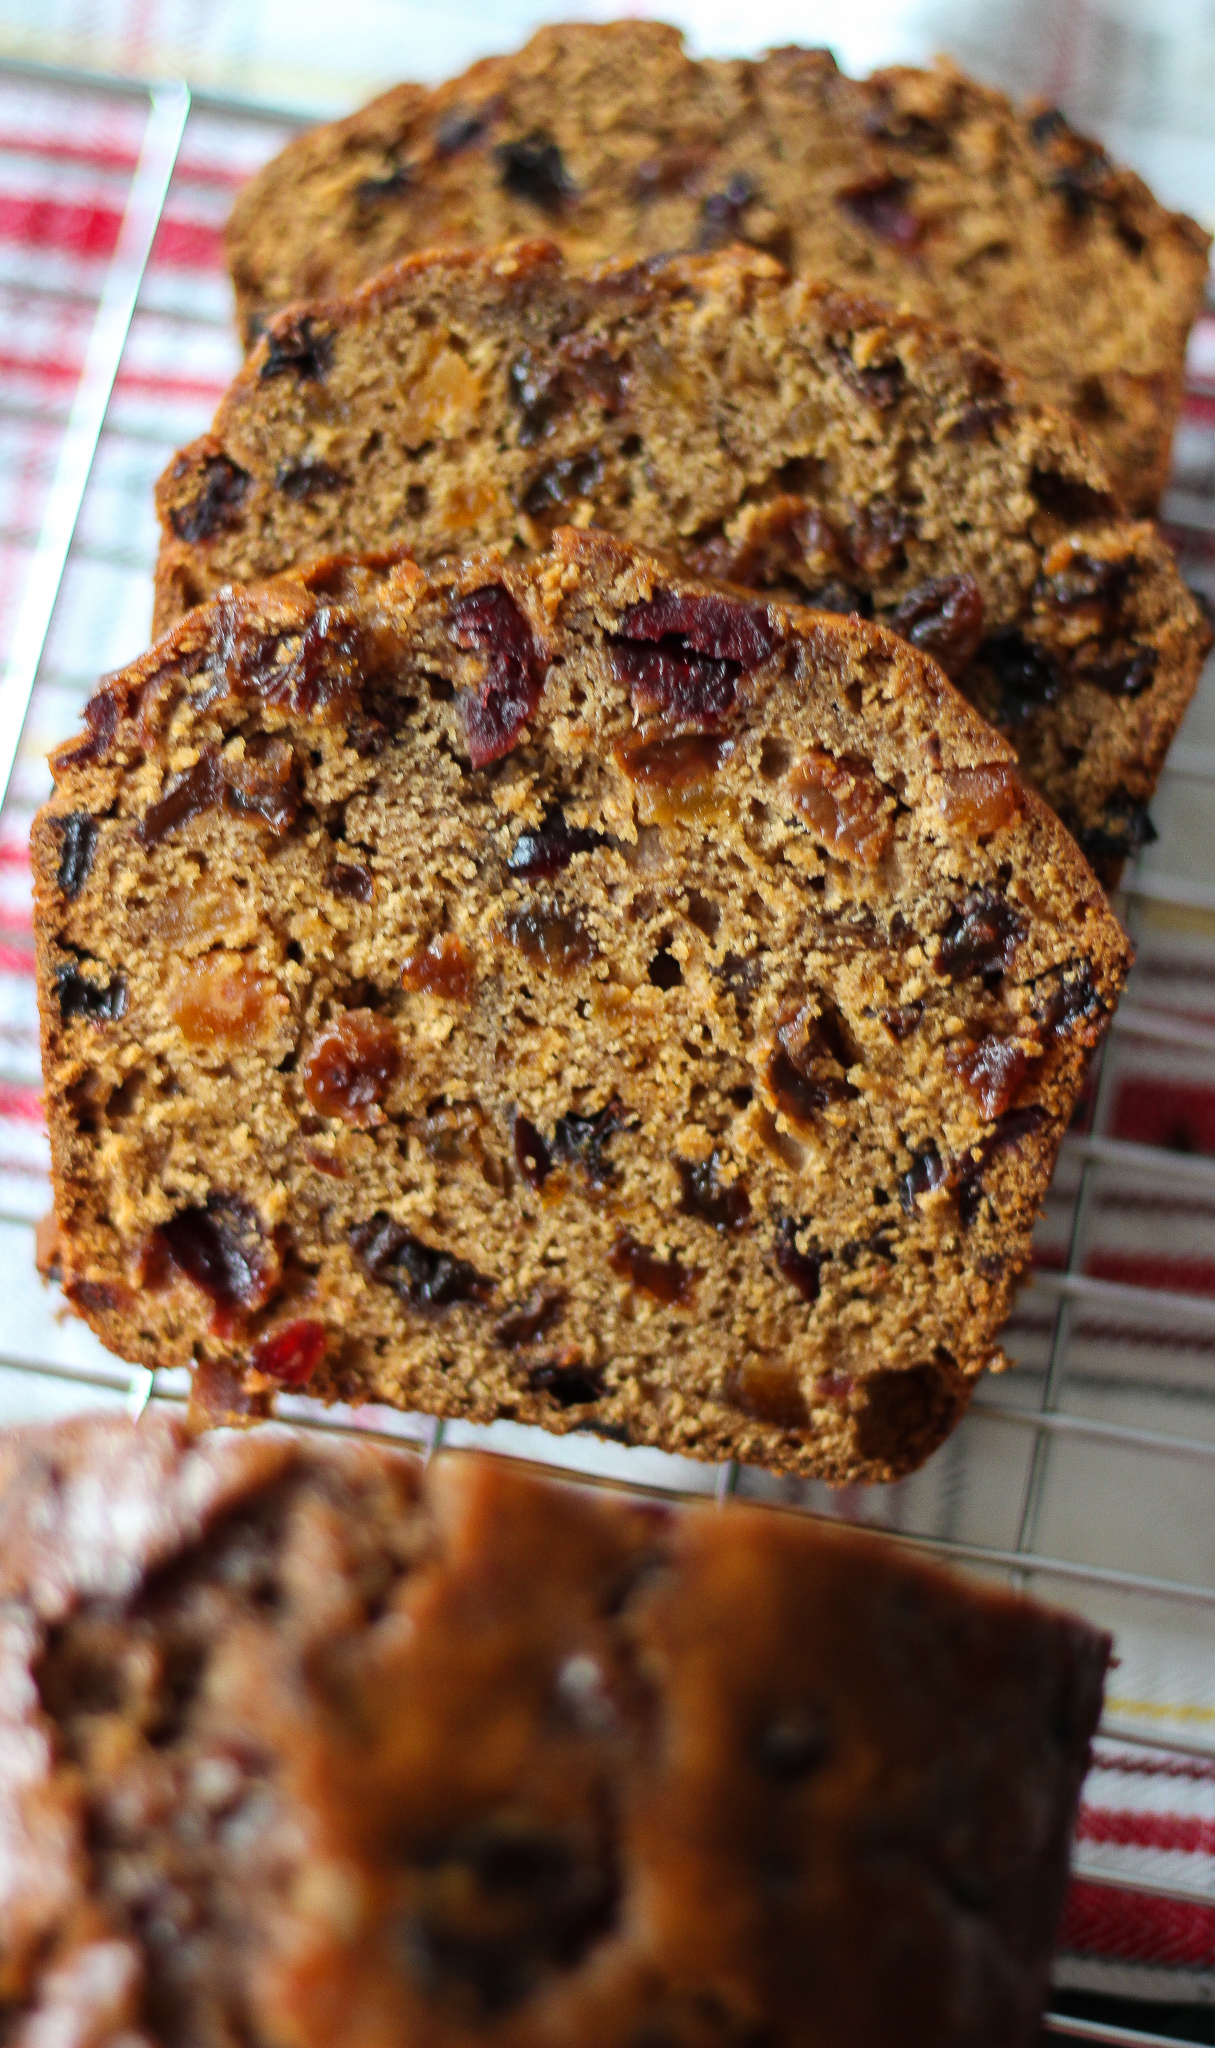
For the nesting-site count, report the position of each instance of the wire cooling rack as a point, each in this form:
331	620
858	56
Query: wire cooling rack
1086	1471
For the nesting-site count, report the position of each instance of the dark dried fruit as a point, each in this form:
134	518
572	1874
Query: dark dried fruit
539	855
442	968
898	1409
879	205
980	938
101	716
1014	1125
488	621
533	168
772	1393
224	1251
721	213
801	1096
532	1155
553	938
720	628
1120	675
878	536
539	395
1071	1001
217	508
529	1320
570	1386
304	671
292	1353
197	789
665	1279
1122	830
802	1269
459	130
901	1019
309	478
351	1067
603	376
926	1173
681	657
726	1207
351	880
96	1002
573	476
296	344
743	978
881	384
371	192
992	1071
943	618
1026	676
78	834
793	1746
1071	499
580	1141
262	781
421	1274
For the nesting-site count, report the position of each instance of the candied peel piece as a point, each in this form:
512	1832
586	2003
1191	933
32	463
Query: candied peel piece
981	800
292	1352
844	805
224	1002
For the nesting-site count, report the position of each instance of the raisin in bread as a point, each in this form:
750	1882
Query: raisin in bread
560	990
300	1746
771	430
924	187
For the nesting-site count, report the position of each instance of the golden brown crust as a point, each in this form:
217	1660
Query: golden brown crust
922	186
339	1753
687	1060
771	430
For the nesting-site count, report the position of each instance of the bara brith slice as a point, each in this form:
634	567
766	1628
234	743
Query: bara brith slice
923	187
769	430
564	990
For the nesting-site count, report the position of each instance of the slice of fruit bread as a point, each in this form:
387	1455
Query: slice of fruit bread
770	430
922	186
565	990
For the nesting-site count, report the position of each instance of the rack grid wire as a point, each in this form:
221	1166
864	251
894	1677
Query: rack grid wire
1083	1472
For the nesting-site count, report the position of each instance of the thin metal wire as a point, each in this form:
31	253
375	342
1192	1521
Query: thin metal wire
1101	2031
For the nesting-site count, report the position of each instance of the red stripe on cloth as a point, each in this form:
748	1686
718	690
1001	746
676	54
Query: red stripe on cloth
14	961
189	245
13	856
104	157
92	231
1131	1927
1168	1274
1185	1831
56	370
1178	1116
23	1102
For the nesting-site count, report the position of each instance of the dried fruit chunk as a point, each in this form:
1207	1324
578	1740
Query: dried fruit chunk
224	1003
802	1096
351	1067
351	880
879	205
97	1002
78	834
981	800
488	621
721	213
538	855
1014	1125
532	1155
800	1268
443	967
534	168
292	1352
720	628
943	618
580	1140
665	1279
295	343
371	192
1123	829
681	657
217	507
992	1070
725	1206
687	763
223	1249
260	781
770	1392
980	938
570	1386
844	804
197	789
678	687
529	1320
1070	1001
901	1019
308	672
551	937
310	477
924	1176
1025	676
421	1274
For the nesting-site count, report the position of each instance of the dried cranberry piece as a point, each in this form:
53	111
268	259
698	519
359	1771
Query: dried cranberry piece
570	1386
1123	828
721	628
371	192
1026	677
224	1251
665	1279
681	657
879	204
926	1173
197	789
292	1353
78	834
459	130
350	879
533	168
529	1320
573	476
539	855
1014	1125
678	687
296	344
726	1208
580	1141
351	1067
420	1273
943	618
217	508
488	621
532	1155
980	938
800	1268
96	1002
308	479
721	213
992	1070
